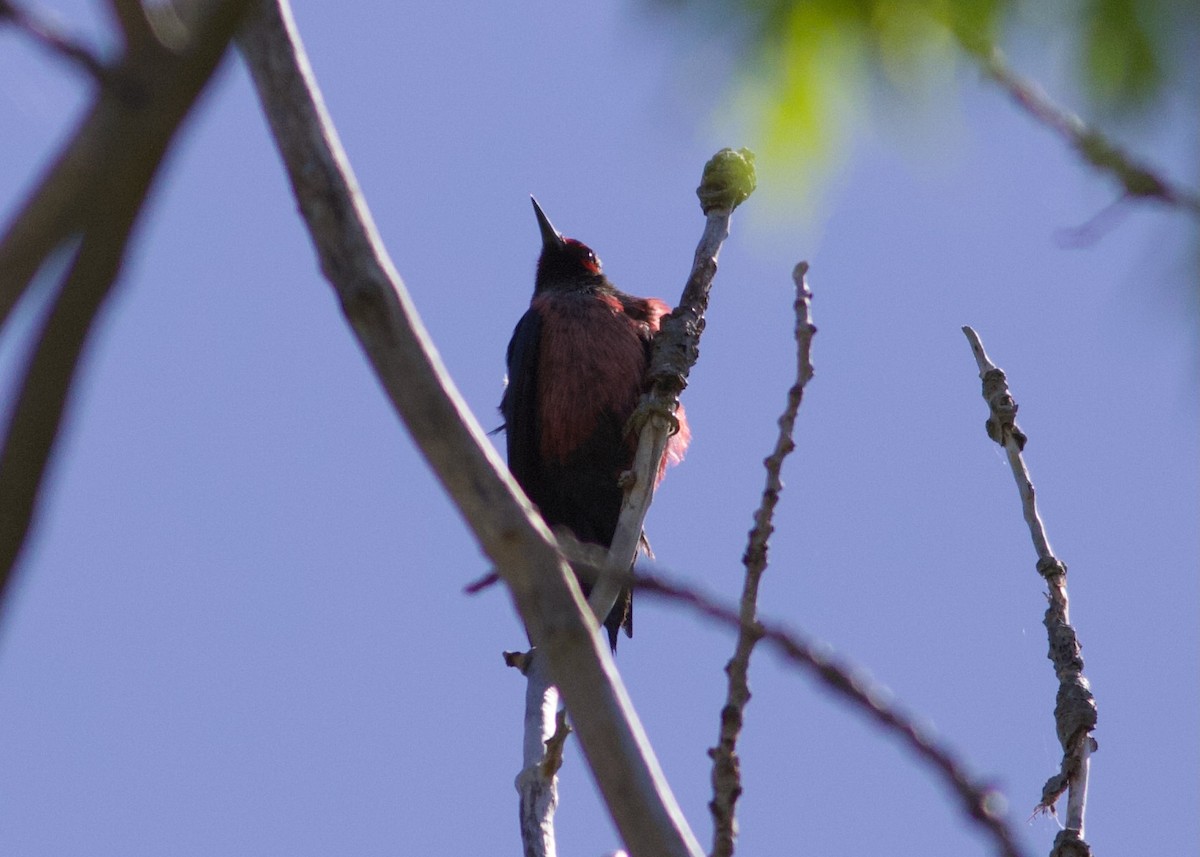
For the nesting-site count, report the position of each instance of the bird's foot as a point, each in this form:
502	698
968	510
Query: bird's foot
649	408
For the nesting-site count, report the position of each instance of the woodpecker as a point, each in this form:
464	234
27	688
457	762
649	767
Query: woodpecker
577	365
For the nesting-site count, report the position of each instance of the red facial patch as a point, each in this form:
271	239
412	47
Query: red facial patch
583	255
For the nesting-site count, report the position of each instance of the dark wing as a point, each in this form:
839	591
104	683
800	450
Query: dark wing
519	405
581	493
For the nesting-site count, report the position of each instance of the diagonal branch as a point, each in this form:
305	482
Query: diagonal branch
407	365
53	40
1136	179
1075	708
983	804
95	191
726	773
132	18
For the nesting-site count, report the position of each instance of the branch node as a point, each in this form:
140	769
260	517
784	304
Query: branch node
1052	568
518	660
1001	425
555	743
1068	843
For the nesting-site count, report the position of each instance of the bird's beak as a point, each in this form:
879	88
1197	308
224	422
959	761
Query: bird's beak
551	237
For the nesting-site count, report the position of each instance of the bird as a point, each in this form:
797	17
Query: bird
577	368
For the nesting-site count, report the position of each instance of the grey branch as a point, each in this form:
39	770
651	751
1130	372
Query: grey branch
726	771
727	181
114	156
509	531
1075	708
1137	180
981	803
537	783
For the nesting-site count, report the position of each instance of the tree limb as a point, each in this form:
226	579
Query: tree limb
53	40
727	181
509	531
545	734
1136	180
131	17
95	192
726	772
1075	708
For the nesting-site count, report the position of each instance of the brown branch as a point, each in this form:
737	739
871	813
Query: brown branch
513	536
1075	708
1136	180
726	772
130	16
53	40
95	191
983	804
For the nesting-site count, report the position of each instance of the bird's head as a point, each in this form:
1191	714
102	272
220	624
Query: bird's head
565	264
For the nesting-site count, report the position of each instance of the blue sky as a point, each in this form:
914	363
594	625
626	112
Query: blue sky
240	627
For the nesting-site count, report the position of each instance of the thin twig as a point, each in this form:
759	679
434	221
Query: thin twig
93	194
728	180
1075	708
1136	180
52	39
983	804
525	554
726	772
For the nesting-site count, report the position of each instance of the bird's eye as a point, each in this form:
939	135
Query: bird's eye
591	262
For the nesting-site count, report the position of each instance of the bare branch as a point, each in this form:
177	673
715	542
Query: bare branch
980	802
390	332
53	40
728	180
1137	180
1075	708
114	157
726	773
537	783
